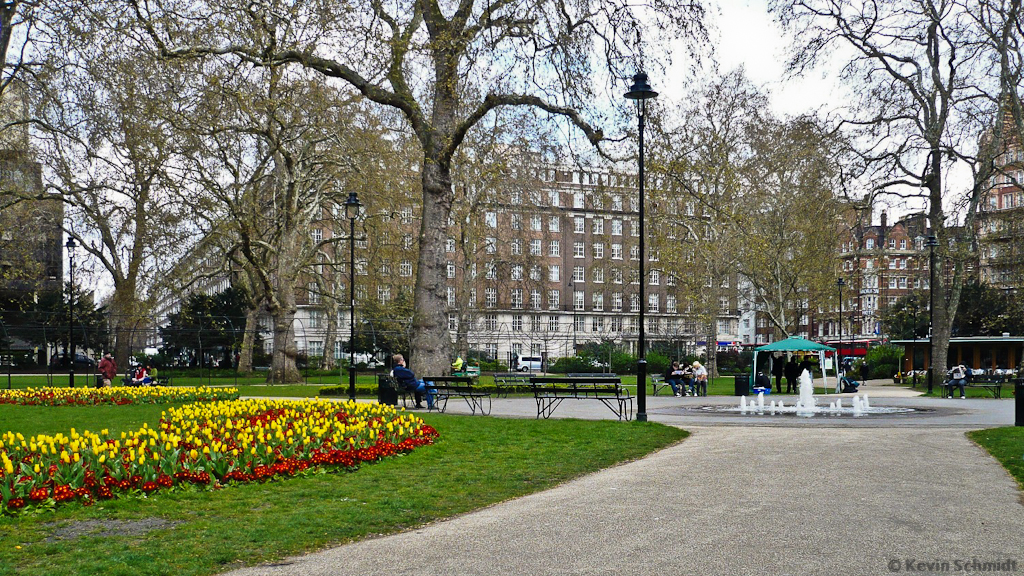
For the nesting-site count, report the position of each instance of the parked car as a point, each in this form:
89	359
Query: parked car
529	364
82	362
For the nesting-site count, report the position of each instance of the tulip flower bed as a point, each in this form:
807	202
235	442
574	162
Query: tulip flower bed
118	395
204	444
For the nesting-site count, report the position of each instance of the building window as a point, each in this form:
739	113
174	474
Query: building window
535	223
653	303
517	272
577	300
318	236
315	318
634	229
616	227
616	251
597	275
579	224
535	273
490	245
490	271
723	303
553	324
490	297
655	278
554	248
634	302
516	222
597	301
451	269
490	322
383	294
449	245
314	293
578	200
597	324
406	215
535	247
579	323
535	299
553	225
578	274
903	281
316	348
869	243
617	205
453	321
517	300
516	247
451	297
616	276
893	263
405	268
892	243
491	219
578	250
517	323
535	323
554	273
617	302
597	226
670	304
553	299
634	252
555	198
903	264
599	250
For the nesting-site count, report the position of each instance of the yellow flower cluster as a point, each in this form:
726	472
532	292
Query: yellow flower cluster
241	440
114	395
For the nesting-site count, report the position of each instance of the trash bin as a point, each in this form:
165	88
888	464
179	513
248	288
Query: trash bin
1018	393
742	385
99	380
386	394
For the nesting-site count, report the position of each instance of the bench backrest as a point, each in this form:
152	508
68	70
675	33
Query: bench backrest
591	375
387	381
567	381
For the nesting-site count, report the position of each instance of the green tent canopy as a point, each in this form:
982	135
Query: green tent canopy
797	344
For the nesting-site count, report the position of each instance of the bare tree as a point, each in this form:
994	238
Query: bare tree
924	99
444	67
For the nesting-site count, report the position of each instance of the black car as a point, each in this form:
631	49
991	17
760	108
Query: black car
82	362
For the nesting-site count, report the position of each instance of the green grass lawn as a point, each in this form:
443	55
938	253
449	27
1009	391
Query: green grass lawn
1007	445
476	462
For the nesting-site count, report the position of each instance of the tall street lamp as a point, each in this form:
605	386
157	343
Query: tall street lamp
931	244
839	356
640	92
352	206
70	245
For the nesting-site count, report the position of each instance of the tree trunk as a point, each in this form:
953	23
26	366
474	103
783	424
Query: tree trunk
431	343
327	360
282	368
124	312
248	340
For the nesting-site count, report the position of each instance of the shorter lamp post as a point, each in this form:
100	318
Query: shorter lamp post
352	206
839	354
70	245
640	92
931	244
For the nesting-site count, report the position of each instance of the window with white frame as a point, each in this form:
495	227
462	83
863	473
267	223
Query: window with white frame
554	248
892	243
597	226
616	324
315	318
617	302
536	224
670	304
553	224
655	278
553	324
577	300
902	281
490	297
723	303
451	297
653	303
405	268
406	215
516	197
516	222
616	227
490	322
535	323
490	271
555	198
892	282
599	250
516	248
362	267
634	302
553	299
579	224
579	323
634	252
579	274
316	348
517	323
578	250
597	275
869	243
616	276
535	273
617	205
535	299
597	302
670	280
554	273
517	272
634	228
578	200
490	244
491	219
634	276
516	299
535	247
451	269
616	251
453	321
472	297
318	236
893	263
314	293
449	245
903	263
903	243
383	294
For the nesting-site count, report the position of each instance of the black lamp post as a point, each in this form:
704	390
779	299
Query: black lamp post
352	206
839	355
640	92
931	244
572	293
70	245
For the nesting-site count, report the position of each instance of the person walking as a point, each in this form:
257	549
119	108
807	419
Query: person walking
108	368
865	371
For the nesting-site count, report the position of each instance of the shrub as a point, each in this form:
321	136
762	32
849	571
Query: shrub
884	360
568	364
657	362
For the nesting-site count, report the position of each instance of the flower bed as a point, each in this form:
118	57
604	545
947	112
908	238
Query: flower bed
205	444
118	395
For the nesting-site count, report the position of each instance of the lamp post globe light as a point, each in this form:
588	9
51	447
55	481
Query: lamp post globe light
352	206
640	92
71	245
931	244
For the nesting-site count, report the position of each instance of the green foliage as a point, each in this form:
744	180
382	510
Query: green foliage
732	362
988	311
884	360
907	318
657	362
207	323
568	364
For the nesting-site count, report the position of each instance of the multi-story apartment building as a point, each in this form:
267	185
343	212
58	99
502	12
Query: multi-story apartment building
1000	223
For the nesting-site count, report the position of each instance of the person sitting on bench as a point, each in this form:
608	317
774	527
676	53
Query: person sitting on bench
407	380
957	377
762	384
674	378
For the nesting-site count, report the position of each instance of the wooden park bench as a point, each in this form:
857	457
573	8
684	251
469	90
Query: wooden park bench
549	392
994	384
445	387
505	382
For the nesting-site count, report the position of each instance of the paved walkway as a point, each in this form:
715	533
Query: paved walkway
804	496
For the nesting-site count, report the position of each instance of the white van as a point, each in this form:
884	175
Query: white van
528	364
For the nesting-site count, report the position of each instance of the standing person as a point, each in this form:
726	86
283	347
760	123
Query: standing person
792	372
865	371
406	379
778	370
108	368
700	378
